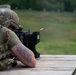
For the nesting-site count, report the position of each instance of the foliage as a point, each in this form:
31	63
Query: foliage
51	5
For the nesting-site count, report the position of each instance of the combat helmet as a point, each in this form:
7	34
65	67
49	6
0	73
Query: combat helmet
8	17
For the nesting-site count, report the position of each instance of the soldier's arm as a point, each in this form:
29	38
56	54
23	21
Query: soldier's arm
24	55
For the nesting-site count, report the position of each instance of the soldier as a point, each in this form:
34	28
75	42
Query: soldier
10	43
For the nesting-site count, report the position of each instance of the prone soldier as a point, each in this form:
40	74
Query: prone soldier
10	43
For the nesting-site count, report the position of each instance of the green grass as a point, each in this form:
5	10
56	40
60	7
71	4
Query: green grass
59	34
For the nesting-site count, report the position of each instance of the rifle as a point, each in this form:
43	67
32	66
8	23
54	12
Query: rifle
29	40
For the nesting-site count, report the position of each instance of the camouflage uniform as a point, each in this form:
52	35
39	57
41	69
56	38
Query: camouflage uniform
8	38
7	41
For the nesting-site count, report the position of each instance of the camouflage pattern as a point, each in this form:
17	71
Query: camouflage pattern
5	55
5	64
8	17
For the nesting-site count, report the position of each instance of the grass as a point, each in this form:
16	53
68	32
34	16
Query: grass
59	34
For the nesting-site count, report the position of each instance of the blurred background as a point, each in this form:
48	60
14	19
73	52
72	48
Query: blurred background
57	17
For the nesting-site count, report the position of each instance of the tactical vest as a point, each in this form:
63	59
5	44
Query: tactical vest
5	54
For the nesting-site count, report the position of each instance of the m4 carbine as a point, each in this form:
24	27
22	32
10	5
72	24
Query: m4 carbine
29	40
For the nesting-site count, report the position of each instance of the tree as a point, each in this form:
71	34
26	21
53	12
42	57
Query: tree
66	5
